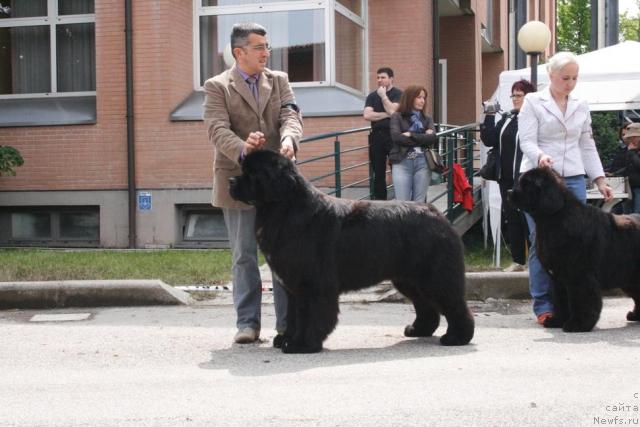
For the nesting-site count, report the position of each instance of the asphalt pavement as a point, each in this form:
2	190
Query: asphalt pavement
176	365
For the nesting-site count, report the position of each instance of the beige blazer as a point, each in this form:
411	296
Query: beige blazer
231	113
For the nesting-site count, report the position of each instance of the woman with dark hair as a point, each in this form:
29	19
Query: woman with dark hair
503	137
412	131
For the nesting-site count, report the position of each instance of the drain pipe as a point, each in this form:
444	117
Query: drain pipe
435	28
131	152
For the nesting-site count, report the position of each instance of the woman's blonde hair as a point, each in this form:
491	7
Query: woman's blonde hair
560	60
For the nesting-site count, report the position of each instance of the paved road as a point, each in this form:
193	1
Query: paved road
174	366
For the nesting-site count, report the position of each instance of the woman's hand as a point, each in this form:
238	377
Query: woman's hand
604	188
545	161
429	131
407	134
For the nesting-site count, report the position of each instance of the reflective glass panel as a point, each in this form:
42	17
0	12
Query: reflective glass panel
354	6
22	8
205	226
297	39
25	63
75	7
76	57
80	225
30	225
349	53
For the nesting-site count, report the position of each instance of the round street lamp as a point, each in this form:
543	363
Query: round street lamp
533	38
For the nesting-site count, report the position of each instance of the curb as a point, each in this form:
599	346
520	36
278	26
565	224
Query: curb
100	293
89	293
498	285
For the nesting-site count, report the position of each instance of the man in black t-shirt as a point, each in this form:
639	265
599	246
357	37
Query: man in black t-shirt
379	106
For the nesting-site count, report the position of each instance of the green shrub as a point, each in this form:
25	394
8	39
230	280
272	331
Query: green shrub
10	159
605	126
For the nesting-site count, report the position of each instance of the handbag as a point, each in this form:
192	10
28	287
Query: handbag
489	170
434	161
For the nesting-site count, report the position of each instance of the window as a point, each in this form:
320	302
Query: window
51	226
201	226
319	42
47	47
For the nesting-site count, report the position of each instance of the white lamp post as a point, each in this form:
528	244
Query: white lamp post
533	38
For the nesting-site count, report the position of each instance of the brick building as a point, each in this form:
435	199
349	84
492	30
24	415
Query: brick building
94	146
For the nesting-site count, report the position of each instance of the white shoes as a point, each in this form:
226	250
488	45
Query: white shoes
246	336
515	267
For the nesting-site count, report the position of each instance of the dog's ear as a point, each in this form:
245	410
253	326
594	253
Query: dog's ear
526	194
552	192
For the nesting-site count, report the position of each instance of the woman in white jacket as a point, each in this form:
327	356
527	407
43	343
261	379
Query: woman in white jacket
555	132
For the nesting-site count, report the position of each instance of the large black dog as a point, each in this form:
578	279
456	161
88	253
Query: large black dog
321	246
584	249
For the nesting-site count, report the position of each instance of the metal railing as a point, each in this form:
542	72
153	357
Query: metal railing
337	155
455	144
458	143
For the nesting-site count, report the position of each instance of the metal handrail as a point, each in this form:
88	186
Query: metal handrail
453	152
334	134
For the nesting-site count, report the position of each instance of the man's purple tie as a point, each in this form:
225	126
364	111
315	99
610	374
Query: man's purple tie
253	86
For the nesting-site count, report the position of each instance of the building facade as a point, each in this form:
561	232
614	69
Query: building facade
103	98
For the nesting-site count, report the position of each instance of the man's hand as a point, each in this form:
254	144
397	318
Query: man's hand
255	141
287	149
382	92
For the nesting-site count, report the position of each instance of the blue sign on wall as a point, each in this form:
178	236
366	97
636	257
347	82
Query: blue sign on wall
144	200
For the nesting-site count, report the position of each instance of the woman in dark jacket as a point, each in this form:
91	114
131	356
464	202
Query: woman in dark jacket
503	137
412	132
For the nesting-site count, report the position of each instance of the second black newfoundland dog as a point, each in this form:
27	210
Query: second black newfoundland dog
321	246
584	249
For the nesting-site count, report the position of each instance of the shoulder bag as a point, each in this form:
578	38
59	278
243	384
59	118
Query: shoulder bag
489	170
434	160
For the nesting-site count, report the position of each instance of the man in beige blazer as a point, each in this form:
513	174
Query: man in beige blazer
247	108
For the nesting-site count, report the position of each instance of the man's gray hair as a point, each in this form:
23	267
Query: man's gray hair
240	33
560	60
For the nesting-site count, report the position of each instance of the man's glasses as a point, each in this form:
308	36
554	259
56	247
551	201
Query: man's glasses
516	96
260	47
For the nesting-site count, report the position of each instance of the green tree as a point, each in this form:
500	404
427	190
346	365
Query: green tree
605	125
10	159
573	26
630	25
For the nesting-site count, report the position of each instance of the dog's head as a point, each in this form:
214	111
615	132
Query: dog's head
539	191
267	177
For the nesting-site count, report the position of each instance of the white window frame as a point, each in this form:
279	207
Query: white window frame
329	7
52	20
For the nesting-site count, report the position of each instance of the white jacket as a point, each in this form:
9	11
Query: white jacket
566	138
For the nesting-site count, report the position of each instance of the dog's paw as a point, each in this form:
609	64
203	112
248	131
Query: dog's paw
576	326
278	340
291	347
449	339
633	316
412	332
552	322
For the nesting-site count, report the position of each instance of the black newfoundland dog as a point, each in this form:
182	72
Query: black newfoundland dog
321	246
584	249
